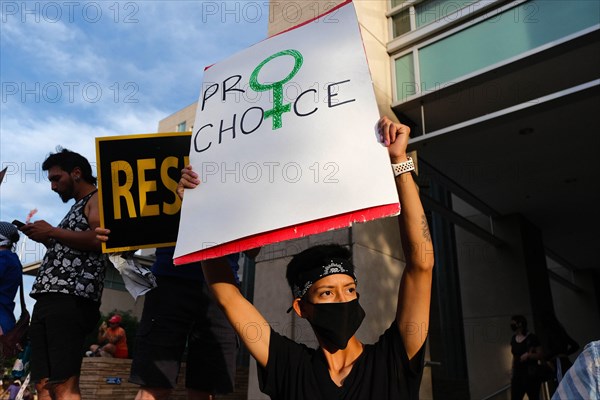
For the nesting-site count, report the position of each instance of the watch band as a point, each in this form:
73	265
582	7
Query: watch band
403	167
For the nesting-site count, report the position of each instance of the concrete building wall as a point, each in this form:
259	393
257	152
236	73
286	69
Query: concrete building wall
121	300
170	123
374	31
494	287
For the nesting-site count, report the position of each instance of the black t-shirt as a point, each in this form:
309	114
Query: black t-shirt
521	368
383	371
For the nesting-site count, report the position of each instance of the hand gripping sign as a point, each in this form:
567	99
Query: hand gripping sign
285	143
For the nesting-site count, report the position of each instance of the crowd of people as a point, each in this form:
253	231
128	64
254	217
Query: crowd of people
69	286
199	308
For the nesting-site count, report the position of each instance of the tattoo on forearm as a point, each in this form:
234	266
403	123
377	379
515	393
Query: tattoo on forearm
425	228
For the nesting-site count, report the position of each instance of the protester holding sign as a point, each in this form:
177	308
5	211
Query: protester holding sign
324	289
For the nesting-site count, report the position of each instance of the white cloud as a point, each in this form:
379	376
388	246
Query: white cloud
146	59
56	48
26	141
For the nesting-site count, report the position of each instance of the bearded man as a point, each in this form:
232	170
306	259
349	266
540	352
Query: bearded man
69	283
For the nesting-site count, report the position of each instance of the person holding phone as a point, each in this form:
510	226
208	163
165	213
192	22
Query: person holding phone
69	282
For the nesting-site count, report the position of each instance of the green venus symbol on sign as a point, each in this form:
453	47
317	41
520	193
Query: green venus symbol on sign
278	107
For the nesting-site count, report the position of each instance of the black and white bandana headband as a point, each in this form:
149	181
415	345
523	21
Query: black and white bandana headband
330	267
7	231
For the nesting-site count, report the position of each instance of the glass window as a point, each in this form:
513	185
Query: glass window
427	12
504	36
405	76
181	126
401	23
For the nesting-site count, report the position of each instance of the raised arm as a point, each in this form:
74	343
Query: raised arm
414	295
250	325
252	328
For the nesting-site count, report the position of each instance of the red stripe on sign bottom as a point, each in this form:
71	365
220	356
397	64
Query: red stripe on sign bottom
291	232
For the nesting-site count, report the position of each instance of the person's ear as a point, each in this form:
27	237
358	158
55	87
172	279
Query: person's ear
76	174
298	307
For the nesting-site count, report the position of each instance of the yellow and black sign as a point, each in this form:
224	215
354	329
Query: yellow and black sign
137	183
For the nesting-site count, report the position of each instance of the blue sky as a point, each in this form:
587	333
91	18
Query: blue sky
72	71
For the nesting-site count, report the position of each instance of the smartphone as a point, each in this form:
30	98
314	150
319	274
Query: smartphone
18	223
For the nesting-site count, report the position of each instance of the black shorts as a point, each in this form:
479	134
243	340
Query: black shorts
59	325
176	312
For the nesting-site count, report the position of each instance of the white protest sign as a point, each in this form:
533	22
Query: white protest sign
285	143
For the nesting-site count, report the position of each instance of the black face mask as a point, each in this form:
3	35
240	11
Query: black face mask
513	327
337	322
